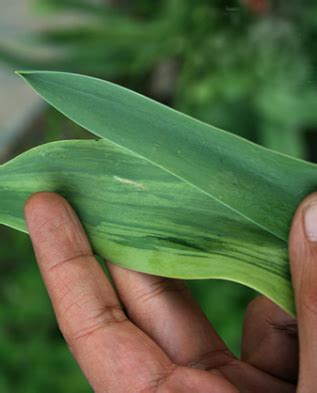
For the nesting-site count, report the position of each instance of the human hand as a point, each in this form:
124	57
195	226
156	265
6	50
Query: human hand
161	342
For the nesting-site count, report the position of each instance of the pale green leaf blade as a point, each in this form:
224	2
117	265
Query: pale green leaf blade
141	217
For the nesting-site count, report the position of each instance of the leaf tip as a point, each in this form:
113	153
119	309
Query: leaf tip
22	74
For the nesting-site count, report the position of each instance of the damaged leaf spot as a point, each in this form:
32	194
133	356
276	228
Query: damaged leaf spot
130	182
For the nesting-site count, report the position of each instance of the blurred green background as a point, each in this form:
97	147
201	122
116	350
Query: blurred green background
248	66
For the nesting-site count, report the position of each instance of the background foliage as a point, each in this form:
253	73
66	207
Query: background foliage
248	66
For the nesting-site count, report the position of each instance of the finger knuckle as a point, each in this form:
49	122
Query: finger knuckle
162	383
160	287
91	324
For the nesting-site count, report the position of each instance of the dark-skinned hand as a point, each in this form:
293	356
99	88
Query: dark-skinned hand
161	342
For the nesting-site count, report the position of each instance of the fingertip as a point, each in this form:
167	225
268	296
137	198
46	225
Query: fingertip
270	339
42	198
301	209
53	226
262	308
55	230
310	199
299	242
41	206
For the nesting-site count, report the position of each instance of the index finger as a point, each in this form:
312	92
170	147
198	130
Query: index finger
107	346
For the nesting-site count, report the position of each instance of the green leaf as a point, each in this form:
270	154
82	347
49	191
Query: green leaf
144	218
171	195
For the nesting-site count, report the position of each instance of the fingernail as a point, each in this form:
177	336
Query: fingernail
310	220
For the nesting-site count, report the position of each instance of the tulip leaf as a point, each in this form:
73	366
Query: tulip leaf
161	192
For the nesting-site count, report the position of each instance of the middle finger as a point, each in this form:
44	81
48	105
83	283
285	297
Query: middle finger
165	310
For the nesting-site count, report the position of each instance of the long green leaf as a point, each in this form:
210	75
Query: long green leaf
144	218
171	195
259	184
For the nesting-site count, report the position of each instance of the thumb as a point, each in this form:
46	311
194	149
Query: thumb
303	260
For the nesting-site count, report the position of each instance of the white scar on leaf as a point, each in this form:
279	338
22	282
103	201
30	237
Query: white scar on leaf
130	182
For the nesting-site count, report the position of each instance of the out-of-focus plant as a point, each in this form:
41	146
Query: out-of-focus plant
243	65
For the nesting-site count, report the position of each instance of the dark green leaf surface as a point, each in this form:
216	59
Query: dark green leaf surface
164	193
259	184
